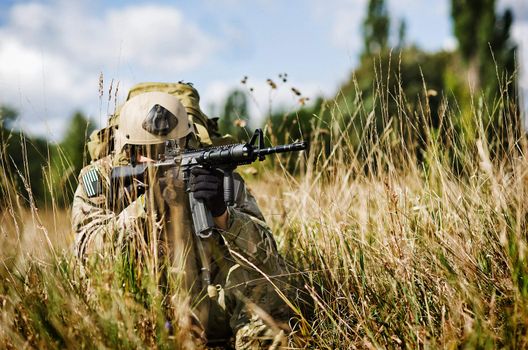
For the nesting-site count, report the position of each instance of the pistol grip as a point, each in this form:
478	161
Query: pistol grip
203	221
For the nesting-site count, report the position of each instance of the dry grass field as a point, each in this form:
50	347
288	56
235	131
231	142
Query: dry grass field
393	251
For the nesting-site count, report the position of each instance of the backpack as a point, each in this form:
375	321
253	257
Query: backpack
100	143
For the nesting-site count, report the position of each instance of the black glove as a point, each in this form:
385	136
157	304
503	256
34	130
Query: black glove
208	185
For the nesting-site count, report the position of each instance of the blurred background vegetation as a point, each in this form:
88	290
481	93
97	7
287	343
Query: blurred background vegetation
412	80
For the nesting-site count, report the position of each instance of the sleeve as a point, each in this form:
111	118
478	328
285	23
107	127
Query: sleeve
244	200
95	226
249	235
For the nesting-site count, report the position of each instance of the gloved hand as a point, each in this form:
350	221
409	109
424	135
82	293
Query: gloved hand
208	185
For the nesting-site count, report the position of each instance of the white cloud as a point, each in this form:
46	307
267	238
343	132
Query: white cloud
345	17
51	54
152	36
450	43
214	95
346	29
157	37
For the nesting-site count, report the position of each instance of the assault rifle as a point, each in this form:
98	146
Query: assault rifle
226	158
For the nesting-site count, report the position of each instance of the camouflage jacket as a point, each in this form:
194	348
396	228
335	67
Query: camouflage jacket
250	251
94	224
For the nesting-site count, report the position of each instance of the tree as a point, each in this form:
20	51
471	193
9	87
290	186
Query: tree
235	117
484	40
392	87
488	50
402	33
291	126
70	157
8	115
376	28
74	141
23	159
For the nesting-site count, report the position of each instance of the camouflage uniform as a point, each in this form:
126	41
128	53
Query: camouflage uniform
240	256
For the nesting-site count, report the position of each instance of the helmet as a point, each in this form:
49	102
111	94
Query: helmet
151	118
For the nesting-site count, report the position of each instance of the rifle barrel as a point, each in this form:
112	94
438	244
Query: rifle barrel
297	146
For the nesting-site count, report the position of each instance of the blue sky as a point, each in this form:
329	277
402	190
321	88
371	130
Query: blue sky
52	52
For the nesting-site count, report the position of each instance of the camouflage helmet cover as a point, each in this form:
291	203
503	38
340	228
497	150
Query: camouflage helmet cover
151	118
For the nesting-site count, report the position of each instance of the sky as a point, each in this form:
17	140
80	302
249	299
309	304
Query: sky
53	53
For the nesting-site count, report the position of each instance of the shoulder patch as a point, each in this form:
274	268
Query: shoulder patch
92	183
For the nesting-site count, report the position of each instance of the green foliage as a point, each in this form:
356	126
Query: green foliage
288	127
37	170
7	116
235	116
486	46
472	17
69	158
402	34
484	40
376	28
23	160
74	141
393	89
56	308
408	82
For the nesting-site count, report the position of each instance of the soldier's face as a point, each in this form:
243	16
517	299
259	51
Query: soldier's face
149	153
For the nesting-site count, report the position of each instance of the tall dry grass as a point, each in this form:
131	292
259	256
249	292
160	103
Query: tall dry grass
396	247
406	247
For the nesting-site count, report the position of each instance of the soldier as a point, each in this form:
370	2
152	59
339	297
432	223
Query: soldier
245	268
